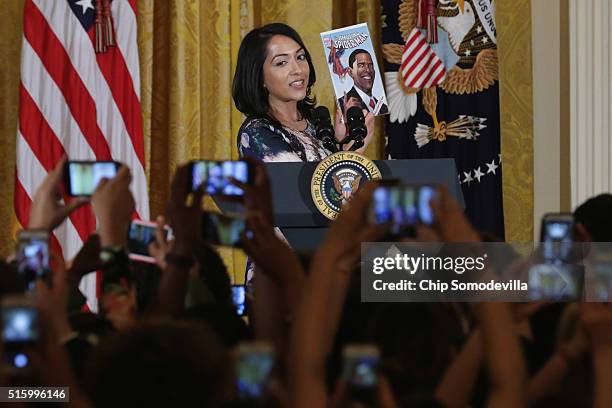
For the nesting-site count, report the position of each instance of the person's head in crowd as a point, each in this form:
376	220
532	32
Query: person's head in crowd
273	67
160	364
592	219
361	69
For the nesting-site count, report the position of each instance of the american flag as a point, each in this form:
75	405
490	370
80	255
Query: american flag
421	67
79	103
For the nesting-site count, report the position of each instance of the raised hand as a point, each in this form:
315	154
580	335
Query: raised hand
184	214
47	210
161	246
113	205
450	222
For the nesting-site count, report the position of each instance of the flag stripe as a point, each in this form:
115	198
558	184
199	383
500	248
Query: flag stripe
421	67
119	81
37	132
58	65
124	15
413	40
417	59
428	71
425	67
30	169
439	78
110	118
51	103
433	71
418	48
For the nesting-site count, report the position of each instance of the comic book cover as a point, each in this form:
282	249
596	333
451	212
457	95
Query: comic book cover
354	70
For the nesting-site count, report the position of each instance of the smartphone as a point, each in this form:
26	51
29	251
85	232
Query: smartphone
402	206
223	229
253	367
82	177
360	372
600	276
33	256
20	331
140	235
215	176
239	298
557	237
555	282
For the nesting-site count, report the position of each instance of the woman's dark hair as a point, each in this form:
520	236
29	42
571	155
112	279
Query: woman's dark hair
248	91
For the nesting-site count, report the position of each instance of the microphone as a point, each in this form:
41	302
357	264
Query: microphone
356	127
324	128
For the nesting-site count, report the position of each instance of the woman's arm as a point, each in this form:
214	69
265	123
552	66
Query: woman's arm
318	314
455	389
549	378
504	359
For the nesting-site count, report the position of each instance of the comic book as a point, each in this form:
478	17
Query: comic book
354	70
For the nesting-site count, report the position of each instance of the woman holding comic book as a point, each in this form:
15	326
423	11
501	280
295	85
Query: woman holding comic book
272	87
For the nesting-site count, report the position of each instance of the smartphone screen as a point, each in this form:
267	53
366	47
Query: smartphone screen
557	237
402	206
82	177
602	279
360	371
224	230
140	235
20	330
215	176
20	324
555	282
33	256
599	273
253	368
239	298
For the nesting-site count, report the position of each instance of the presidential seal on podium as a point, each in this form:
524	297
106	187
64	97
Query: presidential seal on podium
337	178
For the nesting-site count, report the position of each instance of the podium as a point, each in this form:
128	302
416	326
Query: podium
304	226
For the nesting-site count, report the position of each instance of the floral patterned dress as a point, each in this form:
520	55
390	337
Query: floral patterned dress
269	142
261	138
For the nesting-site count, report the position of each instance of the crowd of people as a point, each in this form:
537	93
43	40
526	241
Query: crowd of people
168	334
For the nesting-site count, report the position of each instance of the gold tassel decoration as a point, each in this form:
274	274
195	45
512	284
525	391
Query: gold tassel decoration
109	32
99	43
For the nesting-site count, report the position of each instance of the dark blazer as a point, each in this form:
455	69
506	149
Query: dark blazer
354	94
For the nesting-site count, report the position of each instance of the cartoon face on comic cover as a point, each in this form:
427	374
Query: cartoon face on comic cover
354	69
